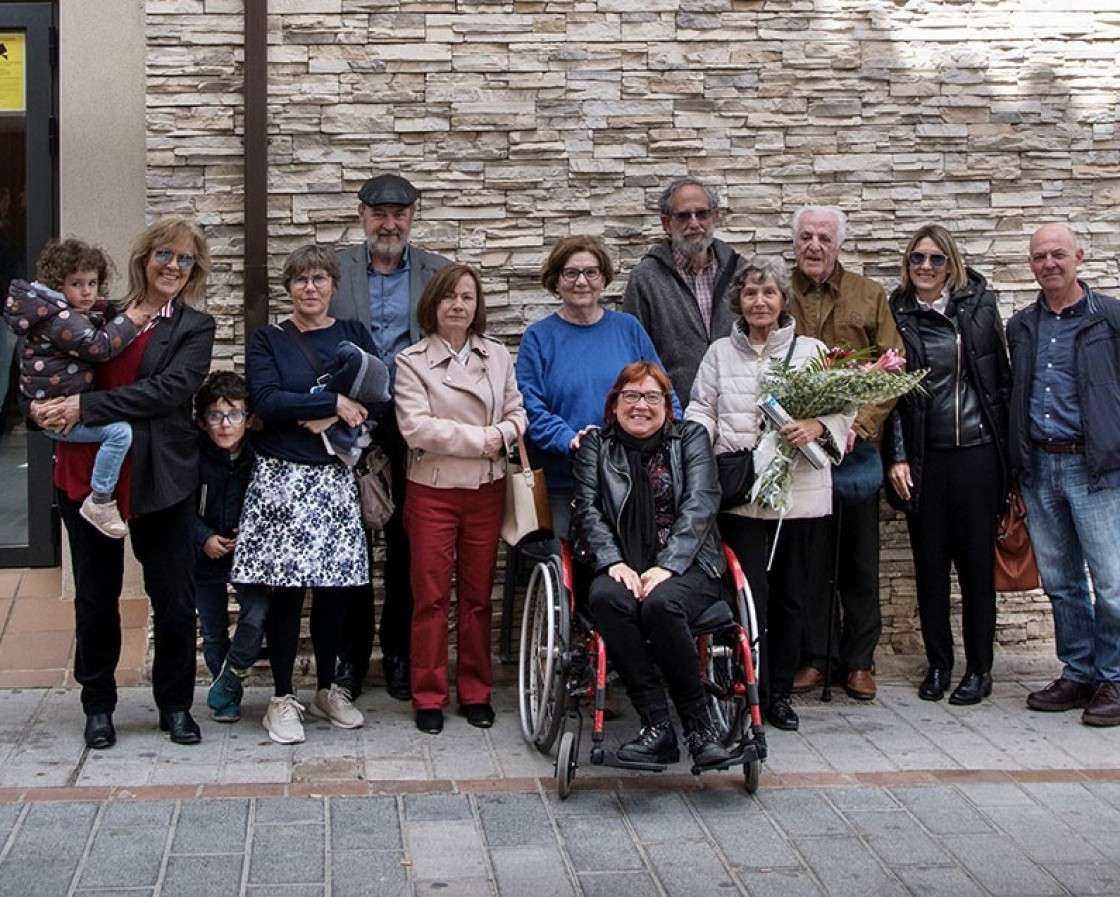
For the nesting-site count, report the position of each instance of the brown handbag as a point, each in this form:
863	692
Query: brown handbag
1015	566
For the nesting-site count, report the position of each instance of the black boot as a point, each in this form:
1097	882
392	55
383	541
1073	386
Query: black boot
703	741
656	743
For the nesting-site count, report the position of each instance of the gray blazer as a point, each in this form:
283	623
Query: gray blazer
351	301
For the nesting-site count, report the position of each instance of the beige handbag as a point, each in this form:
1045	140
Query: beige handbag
527	509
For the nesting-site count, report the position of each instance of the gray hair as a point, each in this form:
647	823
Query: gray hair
759	269
835	211
665	201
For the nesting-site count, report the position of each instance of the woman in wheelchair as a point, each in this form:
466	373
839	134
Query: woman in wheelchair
644	521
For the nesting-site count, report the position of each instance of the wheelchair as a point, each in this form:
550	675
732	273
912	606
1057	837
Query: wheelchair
562	667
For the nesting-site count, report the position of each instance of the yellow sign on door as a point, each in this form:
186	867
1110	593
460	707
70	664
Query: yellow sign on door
13	80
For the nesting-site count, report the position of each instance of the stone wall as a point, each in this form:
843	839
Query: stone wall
524	121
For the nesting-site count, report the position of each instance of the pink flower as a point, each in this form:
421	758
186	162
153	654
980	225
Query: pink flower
889	362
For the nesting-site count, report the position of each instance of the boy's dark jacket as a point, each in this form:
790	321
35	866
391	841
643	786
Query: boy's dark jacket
222	482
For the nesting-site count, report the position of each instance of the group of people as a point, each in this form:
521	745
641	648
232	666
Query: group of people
224	479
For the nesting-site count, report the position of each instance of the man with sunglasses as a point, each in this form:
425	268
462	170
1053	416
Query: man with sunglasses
844	309
1065	447
381	282
678	289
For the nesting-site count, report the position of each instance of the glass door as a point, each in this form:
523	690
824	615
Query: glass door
28	217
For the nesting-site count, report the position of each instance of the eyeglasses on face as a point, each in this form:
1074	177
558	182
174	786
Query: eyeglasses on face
632	397
936	259
699	214
216	418
571	275
319	280
164	257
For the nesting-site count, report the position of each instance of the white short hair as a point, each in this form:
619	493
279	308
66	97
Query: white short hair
835	211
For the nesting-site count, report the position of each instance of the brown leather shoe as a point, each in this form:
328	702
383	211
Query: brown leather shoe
860	685
1060	695
1104	709
807	679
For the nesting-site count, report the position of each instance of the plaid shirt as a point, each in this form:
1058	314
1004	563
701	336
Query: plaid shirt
700	283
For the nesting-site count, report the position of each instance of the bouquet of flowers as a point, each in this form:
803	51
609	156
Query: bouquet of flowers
837	381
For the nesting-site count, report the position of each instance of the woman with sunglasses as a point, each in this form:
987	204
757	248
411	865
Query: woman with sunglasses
150	385
945	449
568	361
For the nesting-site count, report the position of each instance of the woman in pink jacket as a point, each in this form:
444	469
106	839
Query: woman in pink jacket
459	410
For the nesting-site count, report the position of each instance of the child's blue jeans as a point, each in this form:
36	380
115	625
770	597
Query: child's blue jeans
115	439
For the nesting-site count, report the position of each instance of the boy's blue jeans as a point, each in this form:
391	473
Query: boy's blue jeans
212	601
115	439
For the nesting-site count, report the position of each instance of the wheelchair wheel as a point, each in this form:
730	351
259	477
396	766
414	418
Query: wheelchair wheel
565	764
751	773
541	668
726	708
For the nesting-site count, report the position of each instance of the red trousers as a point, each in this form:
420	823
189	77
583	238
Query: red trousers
452	530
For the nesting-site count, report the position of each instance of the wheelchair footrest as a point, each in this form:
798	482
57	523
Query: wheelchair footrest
610	758
748	754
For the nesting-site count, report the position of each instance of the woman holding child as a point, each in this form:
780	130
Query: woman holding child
301	525
150	386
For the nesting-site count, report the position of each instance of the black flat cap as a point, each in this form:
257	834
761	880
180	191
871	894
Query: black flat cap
388	190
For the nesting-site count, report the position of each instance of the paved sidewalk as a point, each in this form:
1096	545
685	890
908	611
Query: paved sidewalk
897	796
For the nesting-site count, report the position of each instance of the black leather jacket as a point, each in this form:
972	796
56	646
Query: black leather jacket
603	486
966	401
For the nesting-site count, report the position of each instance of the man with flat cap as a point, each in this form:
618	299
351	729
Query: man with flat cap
381	284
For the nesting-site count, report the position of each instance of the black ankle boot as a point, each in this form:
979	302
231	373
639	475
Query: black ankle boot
656	743
703	741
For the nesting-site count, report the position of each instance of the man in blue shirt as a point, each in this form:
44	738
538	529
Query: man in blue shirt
381	284
1065	446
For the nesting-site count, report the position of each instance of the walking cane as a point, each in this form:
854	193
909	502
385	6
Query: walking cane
833	604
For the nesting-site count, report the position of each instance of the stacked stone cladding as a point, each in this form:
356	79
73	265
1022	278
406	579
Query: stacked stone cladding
525	121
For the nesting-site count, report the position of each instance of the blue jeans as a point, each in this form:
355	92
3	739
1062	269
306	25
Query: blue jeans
211	600
115	439
252	604
1071	527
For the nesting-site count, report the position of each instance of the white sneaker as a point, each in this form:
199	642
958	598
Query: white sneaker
334	704
104	517
284	720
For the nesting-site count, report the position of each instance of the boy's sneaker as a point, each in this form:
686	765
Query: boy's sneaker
334	705
284	720
224	697
104	517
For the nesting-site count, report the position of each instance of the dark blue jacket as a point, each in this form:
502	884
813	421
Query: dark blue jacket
1097	349
221	493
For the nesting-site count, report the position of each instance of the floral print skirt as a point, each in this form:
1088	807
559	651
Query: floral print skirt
301	526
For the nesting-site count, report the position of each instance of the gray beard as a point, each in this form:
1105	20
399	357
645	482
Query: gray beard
692	248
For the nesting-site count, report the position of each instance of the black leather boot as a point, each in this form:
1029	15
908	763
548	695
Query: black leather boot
656	743
703	741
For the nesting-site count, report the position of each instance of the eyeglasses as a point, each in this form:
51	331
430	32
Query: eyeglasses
936	259
632	397
699	214
164	257
216	418
317	280
571	275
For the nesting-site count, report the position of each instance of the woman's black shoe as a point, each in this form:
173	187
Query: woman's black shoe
656	743
934	685
781	716
100	733
481	716
429	721
181	725
973	688
397	677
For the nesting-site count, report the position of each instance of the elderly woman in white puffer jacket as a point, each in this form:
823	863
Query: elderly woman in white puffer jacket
725	400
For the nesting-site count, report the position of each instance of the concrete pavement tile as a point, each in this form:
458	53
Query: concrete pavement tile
9	814
383	769
942	810
436	807
128	845
444	852
782	883
847	868
289	810
1014	875
273	890
986	795
851	798
122	765
462	752
751	843
598	845
46	875
539	871
938	881
287	854
365	823
660	817
368	873
1081	806
691	868
718	801
616	884
113	892
256	771
897	838
802	811
211	826
214	876
1045	837
168	772
514	820
1101	878
600	804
